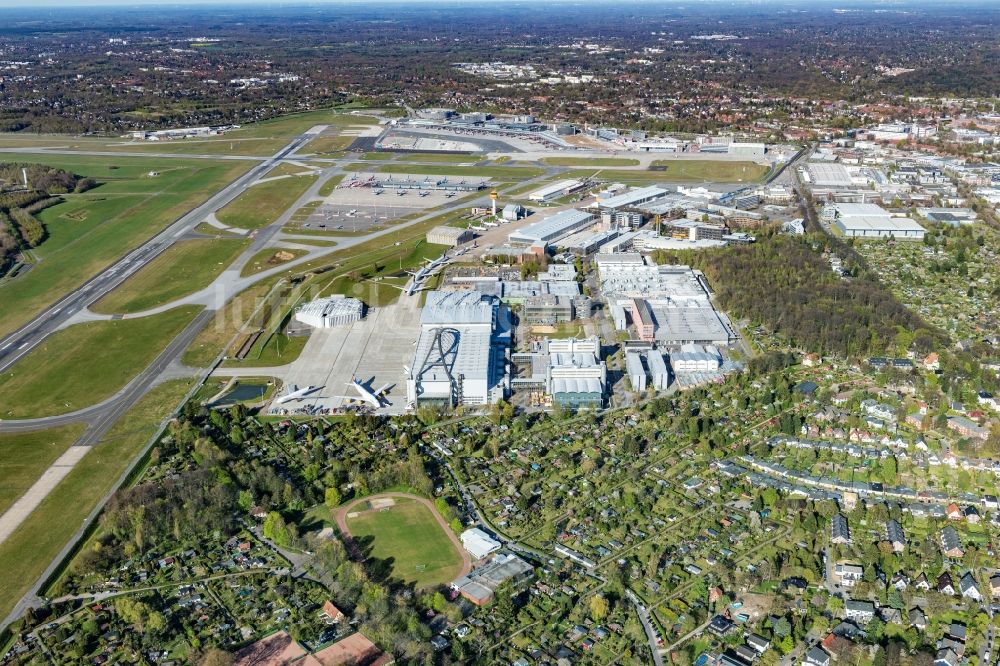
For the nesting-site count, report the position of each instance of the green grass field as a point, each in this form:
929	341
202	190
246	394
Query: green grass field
24	456
409	534
327	188
262	204
183	269
260	139
86	363
590	161
269	258
29	550
278	349
678	171
440	157
500	173
89	231
717	170
379	277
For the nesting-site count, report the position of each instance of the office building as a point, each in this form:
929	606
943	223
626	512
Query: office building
549	309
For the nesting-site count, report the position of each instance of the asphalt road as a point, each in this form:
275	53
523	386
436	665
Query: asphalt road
22	341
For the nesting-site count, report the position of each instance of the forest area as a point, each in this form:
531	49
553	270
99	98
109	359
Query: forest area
785	284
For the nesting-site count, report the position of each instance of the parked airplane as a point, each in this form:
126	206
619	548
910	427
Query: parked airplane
375	398
294	393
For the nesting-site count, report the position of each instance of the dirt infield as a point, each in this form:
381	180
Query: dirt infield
341	514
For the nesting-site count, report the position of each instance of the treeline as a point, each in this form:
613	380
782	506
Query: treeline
787	285
19	228
42	177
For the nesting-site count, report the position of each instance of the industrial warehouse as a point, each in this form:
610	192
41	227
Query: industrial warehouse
461	353
331	311
866	220
667	305
525	306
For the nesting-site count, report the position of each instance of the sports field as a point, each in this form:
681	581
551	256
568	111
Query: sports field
86	363
183	269
262	204
409	534
89	231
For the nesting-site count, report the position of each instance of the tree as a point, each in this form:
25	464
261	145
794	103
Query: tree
599	607
216	657
332	497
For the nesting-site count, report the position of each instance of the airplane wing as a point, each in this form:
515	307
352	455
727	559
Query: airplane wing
382	390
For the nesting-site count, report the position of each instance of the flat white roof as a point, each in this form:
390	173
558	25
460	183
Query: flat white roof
860	209
552	227
886	224
331	306
478	542
829	175
457	308
641	195
553	188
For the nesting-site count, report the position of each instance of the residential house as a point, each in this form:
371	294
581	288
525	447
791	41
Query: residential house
836	646
859	611
970	590
900	581
758	643
895	535
967	427
953	512
951	544
817	657
946	657
330	613
848	574
918	618
945	584
840	531
995	585
720	626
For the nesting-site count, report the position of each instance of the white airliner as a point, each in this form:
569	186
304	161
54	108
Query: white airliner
374	398
295	393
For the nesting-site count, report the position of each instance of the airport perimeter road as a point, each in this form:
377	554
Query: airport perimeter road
22	341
